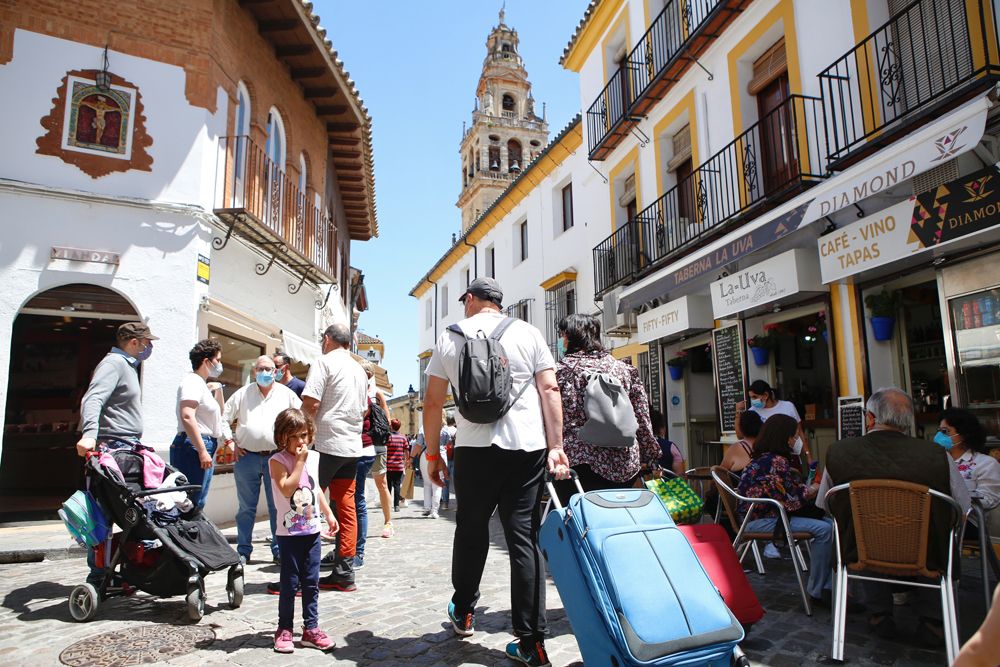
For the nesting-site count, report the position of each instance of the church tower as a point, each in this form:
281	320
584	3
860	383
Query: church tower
505	134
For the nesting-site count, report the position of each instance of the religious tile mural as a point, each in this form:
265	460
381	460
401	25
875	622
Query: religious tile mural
98	131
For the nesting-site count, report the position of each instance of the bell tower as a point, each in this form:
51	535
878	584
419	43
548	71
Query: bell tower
505	134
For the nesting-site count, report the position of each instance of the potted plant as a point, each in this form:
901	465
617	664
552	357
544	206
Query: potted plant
883	307
761	346
819	326
675	365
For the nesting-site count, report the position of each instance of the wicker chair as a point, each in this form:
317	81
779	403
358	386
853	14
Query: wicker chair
891	523
746	540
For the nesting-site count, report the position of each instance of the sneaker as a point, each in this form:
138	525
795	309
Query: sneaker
359	562
771	551
283	642
425	513
274	588
388	530
331	584
465	626
434	515
244	560
316	638
328	560
276	559
444	505
529	652
402	502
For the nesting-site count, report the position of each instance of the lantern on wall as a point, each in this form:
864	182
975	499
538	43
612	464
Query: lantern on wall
103	78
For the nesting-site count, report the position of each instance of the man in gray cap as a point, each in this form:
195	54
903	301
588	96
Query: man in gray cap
502	463
111	410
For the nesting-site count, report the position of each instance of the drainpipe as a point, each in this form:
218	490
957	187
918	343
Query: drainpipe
475	258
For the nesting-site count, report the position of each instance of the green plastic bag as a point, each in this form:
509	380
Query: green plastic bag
678	497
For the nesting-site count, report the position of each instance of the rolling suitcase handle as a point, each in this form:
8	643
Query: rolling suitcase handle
553	498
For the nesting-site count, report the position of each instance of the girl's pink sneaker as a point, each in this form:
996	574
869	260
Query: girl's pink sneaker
283	641
316	638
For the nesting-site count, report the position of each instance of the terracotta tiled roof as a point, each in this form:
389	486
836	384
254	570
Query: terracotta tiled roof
591	8
365	339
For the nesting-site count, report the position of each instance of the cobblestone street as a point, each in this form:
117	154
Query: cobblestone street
397	615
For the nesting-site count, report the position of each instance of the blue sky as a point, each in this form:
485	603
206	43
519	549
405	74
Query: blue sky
416	65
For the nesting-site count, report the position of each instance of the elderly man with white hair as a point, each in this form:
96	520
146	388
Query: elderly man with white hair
254	408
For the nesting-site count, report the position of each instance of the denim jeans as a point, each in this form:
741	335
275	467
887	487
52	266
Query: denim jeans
250	471
821	551
360	504
299	570
184	457
446	491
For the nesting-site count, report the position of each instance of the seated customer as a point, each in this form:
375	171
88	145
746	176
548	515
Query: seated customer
770	475
965	439
739	454
670	456
887	452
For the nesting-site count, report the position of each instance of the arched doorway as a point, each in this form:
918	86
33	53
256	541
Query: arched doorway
58	338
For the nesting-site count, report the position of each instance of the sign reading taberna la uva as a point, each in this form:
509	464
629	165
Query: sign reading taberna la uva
952	211
773	279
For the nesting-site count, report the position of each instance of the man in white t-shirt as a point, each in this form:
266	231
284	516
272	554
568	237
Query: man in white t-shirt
336	397
501	464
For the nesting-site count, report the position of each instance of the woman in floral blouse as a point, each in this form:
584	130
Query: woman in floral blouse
770	475
598	467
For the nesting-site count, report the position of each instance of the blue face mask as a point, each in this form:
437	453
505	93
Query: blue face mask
561	346
146	353
279	375
944	440
757	403
265	378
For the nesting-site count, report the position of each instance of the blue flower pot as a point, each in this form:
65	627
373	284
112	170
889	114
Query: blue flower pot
883	327
761	355
826	337
676	372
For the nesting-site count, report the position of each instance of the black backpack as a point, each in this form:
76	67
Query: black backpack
484	388
378	425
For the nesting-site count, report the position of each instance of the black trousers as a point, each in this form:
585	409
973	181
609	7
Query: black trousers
590	481
395	478
488	478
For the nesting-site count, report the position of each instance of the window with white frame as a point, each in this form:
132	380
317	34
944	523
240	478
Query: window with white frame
468	277
491	262
428	313
444	301
425	360
521	241
560	301
521	310
567	206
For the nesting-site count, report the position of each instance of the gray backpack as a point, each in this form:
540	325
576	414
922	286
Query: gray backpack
483	394
611	418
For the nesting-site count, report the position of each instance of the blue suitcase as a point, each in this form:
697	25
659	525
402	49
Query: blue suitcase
632	586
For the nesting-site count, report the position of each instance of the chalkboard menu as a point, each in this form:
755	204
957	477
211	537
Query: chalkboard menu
850	417
727	350
654	376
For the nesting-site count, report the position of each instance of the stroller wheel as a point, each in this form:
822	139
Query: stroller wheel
235	589
83	602
195	603
741	661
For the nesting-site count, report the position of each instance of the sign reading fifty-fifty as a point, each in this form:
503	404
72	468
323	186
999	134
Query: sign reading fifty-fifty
80	255
952	211
729	364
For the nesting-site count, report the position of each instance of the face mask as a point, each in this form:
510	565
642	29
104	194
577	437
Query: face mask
757	403
215	370
561	346
265	378
797	446
944	440
279	375
146	353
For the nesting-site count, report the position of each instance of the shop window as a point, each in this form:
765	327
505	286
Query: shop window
559	302
975	319
803	368
238	358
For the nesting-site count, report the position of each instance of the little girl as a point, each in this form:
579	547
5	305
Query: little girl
298	501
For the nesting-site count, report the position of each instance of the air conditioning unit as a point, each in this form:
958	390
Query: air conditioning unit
615	324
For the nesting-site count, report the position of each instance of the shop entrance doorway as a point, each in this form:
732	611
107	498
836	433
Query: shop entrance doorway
702	417
922	352
59	336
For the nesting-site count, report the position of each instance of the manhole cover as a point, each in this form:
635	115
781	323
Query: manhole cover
136	646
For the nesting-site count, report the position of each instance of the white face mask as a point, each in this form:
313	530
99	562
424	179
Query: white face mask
797	446
215	369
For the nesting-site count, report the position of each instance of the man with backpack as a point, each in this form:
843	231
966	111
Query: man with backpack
509	433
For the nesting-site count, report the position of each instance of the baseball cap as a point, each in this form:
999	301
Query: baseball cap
136	330
484	288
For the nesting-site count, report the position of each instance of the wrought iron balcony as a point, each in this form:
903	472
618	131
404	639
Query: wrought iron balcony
930	56
780	155
260	203
674	40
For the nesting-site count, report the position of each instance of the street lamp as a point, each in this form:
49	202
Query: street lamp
412	394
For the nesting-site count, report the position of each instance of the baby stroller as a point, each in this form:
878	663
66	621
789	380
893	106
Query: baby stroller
165	548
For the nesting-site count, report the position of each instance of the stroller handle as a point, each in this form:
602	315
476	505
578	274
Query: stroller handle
170	489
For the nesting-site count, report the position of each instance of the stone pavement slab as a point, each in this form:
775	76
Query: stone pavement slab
396	617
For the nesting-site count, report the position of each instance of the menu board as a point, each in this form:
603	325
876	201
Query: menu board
729	364
654	376
850	417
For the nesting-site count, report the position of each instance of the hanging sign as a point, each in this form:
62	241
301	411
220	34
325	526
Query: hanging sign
677	316
773	279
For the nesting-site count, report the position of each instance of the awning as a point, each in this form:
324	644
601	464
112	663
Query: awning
299	348
956	133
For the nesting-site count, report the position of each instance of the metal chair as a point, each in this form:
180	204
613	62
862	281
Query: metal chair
748	540
700	479
891	524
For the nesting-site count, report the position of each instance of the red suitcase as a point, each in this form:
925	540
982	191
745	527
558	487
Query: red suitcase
713	548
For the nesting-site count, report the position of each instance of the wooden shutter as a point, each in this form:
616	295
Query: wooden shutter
768	67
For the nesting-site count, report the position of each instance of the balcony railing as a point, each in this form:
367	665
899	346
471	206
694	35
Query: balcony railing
931	54
265	205
781	154
675	38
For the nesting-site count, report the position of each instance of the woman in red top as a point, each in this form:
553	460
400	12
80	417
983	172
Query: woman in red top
397	456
